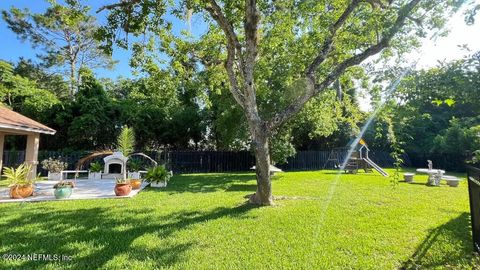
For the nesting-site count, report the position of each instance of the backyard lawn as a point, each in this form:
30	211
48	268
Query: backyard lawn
199	221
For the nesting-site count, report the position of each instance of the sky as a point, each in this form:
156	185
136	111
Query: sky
11	48
434	50
445	48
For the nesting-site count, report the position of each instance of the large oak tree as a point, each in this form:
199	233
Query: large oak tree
269	48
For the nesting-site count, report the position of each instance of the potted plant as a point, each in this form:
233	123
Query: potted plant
20	186
122	187
63	189
95	171
134	166
158	176
136	183
54	168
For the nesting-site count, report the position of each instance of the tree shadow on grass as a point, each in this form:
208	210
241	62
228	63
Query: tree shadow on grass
416	183
96	236
448	245
352	174
246	187
205	182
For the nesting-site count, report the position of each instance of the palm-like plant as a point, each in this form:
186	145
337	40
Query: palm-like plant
95	167
158	174
125	144
126	141
18	176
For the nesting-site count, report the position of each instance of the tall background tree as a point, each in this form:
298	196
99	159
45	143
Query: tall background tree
65	34
23	94
436	110
279	55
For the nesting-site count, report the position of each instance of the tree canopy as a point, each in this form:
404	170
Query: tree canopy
277	56
65	35
437	109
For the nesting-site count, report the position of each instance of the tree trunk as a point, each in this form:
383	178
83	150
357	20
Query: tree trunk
263	195
124	170
72	78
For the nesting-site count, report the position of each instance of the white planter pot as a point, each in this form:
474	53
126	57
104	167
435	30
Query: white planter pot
54	176
452	183
158	184
95	175
134	175
408	177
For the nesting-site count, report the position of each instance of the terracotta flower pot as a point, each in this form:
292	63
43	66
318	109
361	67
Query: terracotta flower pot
122	189
21	191
135	183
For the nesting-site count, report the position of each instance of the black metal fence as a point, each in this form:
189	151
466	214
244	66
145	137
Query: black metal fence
211	161
473	175
317	160
205	161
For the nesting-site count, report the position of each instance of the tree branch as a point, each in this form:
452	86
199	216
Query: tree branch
327	44
234	48
417	21
252	19
297	105
122	3
376	3
216	12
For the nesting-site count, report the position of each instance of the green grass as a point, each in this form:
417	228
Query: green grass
200	221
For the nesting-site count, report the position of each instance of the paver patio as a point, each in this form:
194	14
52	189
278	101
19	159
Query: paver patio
85	189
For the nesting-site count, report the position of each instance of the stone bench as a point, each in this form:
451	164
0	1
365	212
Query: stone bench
408	177
452	181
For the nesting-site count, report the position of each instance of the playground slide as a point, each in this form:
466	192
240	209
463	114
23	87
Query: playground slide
375	166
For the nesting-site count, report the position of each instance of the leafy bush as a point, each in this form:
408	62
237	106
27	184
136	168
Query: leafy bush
96	167
134	165
158	174
54	165
458	138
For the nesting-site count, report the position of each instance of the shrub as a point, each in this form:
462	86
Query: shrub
54	165
96	167
134	165
158	174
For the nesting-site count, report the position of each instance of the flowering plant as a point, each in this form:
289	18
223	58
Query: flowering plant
54	165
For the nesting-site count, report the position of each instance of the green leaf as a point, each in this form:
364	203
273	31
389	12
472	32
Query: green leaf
126	141
449	102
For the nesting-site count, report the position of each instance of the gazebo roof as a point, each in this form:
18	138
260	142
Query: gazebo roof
14	121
